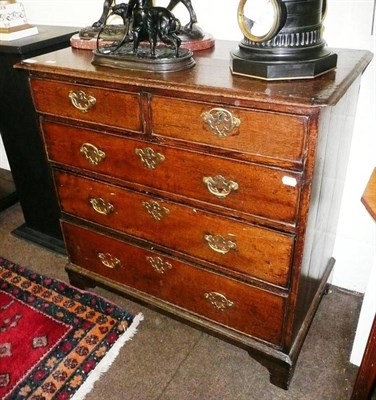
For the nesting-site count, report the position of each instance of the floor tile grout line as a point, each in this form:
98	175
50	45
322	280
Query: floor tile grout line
180	364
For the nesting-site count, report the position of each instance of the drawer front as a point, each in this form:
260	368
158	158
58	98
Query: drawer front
249	188
278	136
230	303
85	103
241	247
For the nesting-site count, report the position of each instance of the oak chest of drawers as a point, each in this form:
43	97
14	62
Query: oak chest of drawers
212	197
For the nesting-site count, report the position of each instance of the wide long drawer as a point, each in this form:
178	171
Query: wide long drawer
86	103
228	302
259	133
251	250
249	188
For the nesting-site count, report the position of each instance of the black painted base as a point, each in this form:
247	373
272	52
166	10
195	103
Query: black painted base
124	58
247	64
41	239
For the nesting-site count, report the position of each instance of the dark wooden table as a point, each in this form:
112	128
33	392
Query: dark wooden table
22	141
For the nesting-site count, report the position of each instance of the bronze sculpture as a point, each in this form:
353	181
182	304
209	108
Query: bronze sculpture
149	23
143	22
108	4
191	35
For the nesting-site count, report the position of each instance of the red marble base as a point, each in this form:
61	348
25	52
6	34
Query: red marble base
86	44
195	45
199	44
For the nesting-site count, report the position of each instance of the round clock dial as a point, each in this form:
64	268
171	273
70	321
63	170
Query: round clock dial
259	20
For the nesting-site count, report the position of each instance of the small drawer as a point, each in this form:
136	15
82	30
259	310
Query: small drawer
227	184
230	303
258	133
86	103
241	247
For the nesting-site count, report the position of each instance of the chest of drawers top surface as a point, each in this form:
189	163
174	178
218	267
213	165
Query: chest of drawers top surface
211	75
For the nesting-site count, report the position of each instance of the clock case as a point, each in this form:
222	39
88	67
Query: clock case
297	51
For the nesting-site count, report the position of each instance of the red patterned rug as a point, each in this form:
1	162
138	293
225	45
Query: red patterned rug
55	340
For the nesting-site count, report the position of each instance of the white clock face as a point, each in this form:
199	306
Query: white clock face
259	20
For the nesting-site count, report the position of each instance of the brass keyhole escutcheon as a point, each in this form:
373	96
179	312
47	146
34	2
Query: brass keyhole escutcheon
158	264
155	210
219	301
149	157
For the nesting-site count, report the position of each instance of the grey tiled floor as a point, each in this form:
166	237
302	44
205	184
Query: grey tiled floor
168	360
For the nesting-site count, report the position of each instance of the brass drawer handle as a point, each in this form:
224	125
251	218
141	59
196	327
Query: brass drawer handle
81	101
92	153
101	206
158	264
218	301
221	121
219	244
149	157
220	186
155	210
109	260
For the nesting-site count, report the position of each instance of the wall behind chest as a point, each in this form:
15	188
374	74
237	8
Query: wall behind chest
348	24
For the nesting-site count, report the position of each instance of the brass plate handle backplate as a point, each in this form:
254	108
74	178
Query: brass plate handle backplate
220	186
155	210
81	101
101	206
149	157
220	121
92	153
158	264
218	301
219	244
109	260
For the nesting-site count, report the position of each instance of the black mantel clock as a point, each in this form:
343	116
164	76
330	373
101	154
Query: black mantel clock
282	40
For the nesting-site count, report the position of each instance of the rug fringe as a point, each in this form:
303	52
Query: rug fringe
107	361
